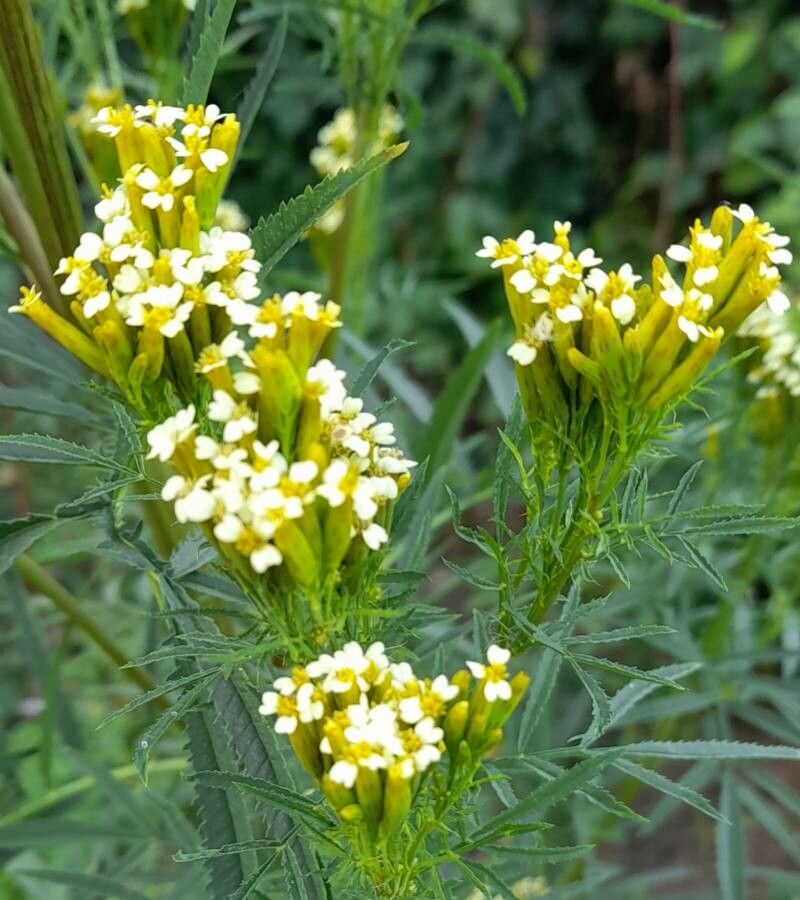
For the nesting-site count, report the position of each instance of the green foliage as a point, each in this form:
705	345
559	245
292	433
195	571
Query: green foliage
274	236
631	731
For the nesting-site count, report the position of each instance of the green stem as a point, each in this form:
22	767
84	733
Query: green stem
32	253
36	577
32	133
66	791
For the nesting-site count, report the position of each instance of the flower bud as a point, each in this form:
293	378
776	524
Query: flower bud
337	794
305	744
722	225
369	790
62	331
352	814
684	375
396	800
279	398
337	534
298	556
455	725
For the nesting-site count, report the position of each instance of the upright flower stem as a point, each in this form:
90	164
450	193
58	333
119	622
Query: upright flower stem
36	577
23	230
33	136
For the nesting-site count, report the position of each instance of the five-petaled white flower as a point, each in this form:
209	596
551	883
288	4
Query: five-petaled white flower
494	675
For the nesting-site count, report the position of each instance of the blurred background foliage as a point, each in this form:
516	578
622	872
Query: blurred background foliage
625	121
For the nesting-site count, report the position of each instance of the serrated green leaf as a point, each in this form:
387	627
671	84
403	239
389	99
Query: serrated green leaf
217	816
687	479
667	786
626	633
544	855
273	237
601	707
156	731
18	535
730	843
142	699
485	879
370	369
712	749
635	691
554	791
43	448
291	802
203	63
743	525
247	887
470	577
239	847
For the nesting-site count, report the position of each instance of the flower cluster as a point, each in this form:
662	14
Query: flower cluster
337	149
778	365
152	287
287	469
369	730
583	332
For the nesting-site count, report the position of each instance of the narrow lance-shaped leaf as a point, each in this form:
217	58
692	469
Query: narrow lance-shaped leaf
274	236
197	83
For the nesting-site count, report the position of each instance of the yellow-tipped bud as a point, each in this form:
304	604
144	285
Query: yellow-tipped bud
298	556
62	331
396	799
682	378
369	790
337	794
455	725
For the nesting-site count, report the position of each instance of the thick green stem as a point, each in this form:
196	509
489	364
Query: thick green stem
36	577
23	230
32	133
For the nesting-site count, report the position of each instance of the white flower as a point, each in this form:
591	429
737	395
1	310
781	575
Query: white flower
431	702
778	302
509	251
160	192
193	501
238	417
161	115
494	675
229	216
343	772
164	438
374	536
623	308
285	708
326	382
428	735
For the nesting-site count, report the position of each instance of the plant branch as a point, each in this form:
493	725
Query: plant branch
36	577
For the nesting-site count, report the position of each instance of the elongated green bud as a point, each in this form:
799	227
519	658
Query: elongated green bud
682	378
298	556
337	794
396	800
62	331
369	790
455	725
306	747
337	538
